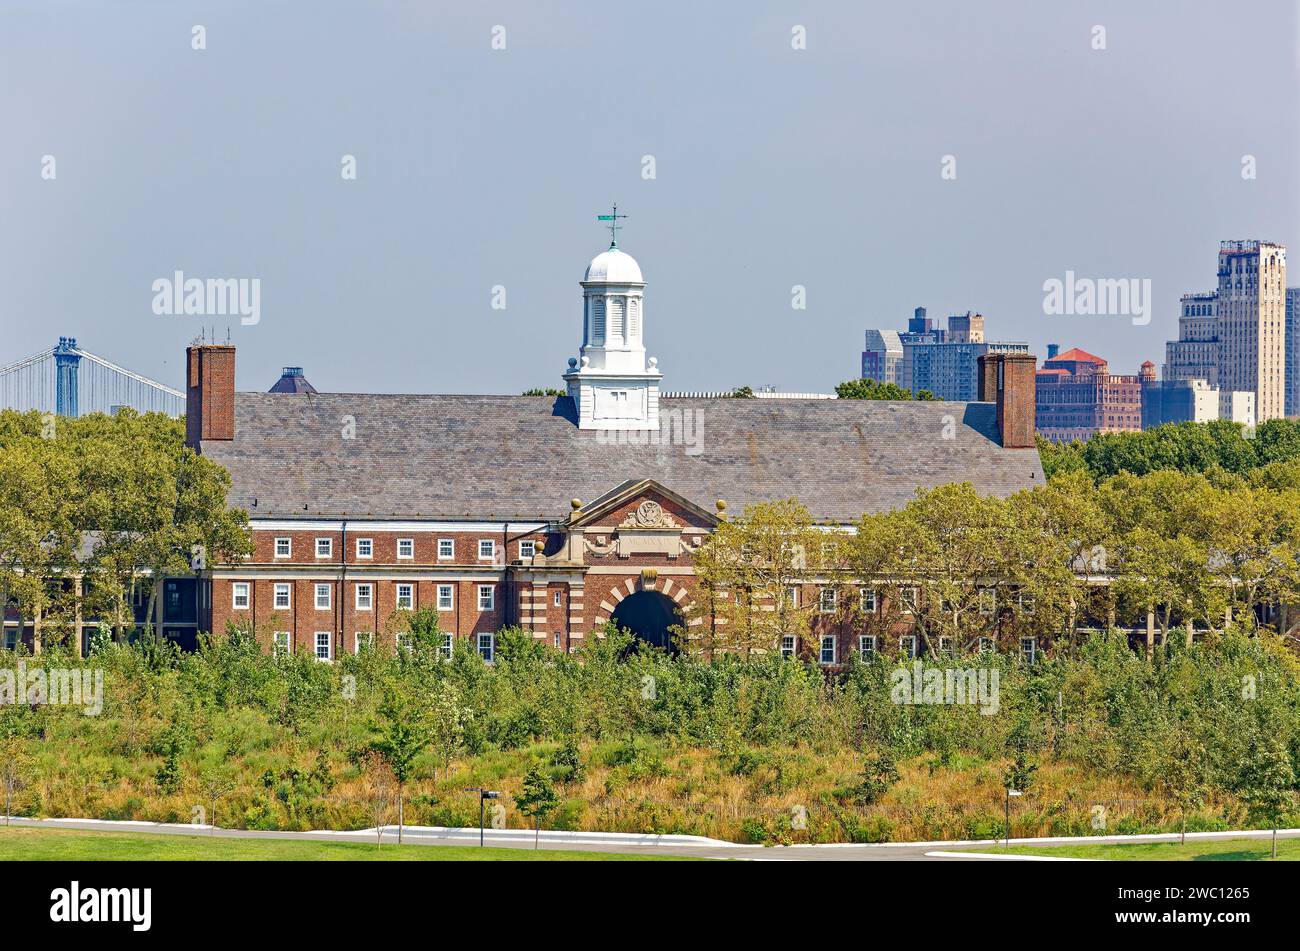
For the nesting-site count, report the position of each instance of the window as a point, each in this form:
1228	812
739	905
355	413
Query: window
527	549
405	597
987	646
867	645
826	600
787	645
283	547
282	595
322	597
944	646
558	639
324	547
908	600
444	597
1029	648
364	640
487	549
556	599
365	597
446	549
365	548
447	646
280	643
828	649
404	641
1026	603
406	548
907	645
988	600
867	600
792	596
487	646
323	639
485	597
239	595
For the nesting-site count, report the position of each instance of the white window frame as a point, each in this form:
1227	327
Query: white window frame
987	598
279	589
867	645
821	600
408	543
987	645
368	603
527	548
326	589
288	547
557	598
909	600
448	645
279	649
789	646
449	543
449	603
828	640
903	645
369	551
1027	602
867	600
409	597
360	637
491	545
491	591
238	590
1029	649
324	547
329	645
491	654
792	595
559	640
404	641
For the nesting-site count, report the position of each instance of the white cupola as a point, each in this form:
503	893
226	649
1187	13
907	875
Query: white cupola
611	384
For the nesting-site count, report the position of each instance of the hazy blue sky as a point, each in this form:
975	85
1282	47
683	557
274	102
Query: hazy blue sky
479	167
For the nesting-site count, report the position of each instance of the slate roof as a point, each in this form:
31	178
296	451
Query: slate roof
523	457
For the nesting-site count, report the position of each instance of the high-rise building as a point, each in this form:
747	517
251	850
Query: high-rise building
1195	354
1293	351
948	370
882	357
965	328
1077	397
1252	323
926	357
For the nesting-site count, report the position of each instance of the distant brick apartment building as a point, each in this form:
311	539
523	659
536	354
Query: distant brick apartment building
1078	397
556	514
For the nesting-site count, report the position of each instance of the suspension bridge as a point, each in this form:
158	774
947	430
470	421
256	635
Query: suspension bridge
73	382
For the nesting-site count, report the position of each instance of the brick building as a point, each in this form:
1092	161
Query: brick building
554	513
1078	396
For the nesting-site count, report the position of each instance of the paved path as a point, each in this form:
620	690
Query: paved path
643	844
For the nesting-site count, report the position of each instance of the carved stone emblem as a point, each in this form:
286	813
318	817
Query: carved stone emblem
649	514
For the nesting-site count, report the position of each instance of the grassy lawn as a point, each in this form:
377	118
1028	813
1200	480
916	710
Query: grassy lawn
26	844
1196	850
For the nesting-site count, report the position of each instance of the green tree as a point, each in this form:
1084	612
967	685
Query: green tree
537	800
865	389
1268	784
750	568
402	736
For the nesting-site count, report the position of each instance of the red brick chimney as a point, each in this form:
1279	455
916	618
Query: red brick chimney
1009	380
209	393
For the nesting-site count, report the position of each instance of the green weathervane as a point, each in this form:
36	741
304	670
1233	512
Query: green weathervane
613	225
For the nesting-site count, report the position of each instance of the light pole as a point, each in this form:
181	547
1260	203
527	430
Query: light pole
1007	826
483	796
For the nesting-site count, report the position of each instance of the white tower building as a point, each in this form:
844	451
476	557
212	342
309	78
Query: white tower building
611	383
